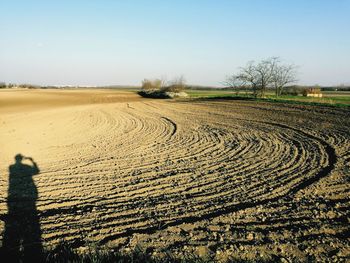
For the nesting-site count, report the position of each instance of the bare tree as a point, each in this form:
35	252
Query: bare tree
283	75
248	76
268	73
245	79
234	83
264	74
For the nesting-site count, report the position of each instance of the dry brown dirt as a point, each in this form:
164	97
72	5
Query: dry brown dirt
242	179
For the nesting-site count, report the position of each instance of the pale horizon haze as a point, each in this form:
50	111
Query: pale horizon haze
122	42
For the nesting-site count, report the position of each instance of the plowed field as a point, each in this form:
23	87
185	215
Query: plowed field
233	178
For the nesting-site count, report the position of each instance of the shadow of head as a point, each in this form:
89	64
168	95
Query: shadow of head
19	157
20	168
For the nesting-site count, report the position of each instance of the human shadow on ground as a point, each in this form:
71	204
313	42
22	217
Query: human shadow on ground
22	235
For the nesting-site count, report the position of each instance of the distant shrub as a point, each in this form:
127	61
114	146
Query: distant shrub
11	85
150	85
177	85
157	89
23	86
28	86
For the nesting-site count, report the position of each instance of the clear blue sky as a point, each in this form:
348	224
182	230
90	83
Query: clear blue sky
121	42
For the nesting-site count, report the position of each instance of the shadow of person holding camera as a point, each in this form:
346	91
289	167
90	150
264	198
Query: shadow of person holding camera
22	236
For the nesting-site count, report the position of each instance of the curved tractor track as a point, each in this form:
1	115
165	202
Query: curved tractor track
227	176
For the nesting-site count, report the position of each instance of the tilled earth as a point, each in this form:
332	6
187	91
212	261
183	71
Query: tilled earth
242	179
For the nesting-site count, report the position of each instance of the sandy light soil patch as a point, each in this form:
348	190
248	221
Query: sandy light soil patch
19	100
230	178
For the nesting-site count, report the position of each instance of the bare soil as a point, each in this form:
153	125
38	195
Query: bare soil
241	179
